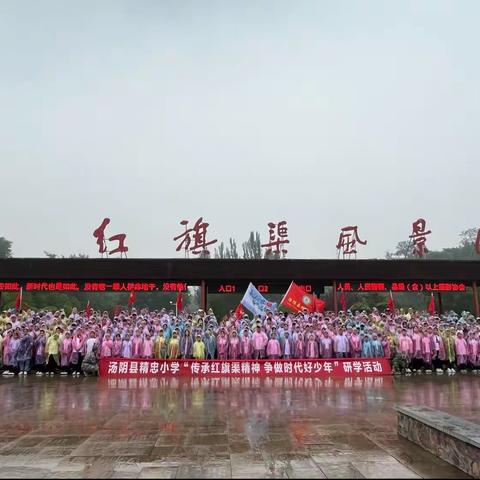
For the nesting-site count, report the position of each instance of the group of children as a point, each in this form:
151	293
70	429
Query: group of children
52	342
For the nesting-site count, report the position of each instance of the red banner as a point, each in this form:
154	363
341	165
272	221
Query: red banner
318	368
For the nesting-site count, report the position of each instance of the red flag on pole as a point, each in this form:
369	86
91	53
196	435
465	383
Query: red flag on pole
343	301
179	302
431	305
297	299
18	300
88	310
390	304
131	299
239	311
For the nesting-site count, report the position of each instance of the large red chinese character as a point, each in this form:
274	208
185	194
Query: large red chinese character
199	235
277	236
477	242
99	234
347	241
419	237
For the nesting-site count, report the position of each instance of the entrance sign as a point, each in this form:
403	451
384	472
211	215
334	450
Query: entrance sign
263	287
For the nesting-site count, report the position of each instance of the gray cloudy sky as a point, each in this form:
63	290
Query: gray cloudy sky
322	113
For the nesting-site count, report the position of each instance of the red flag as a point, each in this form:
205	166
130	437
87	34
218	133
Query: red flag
131	299
297	299
239	311
179	303
343	301
319	305
390	304
18	300
88	310
431	305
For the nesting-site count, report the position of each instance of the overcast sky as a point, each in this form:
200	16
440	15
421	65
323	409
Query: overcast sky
321	113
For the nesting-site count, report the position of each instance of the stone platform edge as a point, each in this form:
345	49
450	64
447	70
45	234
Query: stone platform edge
451	425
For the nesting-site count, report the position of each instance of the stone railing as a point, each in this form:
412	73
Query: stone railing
450	438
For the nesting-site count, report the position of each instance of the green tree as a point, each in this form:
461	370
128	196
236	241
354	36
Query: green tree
5	248
220	252
403	250
224	251
232	250
252	247
468	237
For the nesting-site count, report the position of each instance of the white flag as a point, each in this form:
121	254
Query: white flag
256	302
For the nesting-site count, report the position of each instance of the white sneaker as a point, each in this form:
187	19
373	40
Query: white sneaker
5	373
63	373
408	370
463	371
40	374
428	372
10	374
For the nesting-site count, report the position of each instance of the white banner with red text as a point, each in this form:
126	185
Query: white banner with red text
321	368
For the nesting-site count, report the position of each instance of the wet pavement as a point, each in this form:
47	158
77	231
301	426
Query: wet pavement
225	428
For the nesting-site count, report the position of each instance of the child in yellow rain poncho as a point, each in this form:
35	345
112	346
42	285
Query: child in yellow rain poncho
51	350
160	347
174	346
198	349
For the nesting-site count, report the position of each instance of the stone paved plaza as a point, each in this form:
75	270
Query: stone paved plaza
226	428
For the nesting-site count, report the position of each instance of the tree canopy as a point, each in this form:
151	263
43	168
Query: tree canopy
5	248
